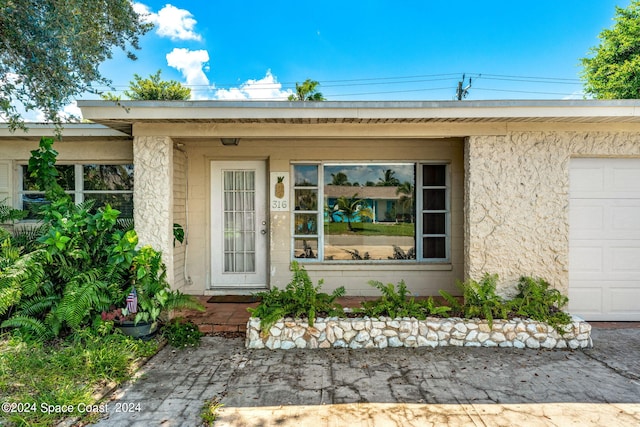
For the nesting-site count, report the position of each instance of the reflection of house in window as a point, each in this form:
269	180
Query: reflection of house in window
381	200
368	212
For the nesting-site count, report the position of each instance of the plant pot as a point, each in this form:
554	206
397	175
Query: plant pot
141	330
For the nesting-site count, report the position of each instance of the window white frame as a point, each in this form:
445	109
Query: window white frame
78	193
419	211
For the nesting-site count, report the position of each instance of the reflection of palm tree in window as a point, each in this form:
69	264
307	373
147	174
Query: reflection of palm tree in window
406	199
388	179
351	208
339	178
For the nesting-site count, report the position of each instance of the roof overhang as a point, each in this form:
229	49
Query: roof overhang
123	115
69	131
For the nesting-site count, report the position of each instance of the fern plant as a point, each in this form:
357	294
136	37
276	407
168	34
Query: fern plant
399	303
18	276
392	303
537	300
456	308
299	298
481	299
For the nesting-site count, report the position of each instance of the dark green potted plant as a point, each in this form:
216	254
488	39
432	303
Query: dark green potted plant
151	299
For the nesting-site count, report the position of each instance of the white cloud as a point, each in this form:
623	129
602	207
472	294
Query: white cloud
191	63
577	94
177	24
72	112
69	113
267	88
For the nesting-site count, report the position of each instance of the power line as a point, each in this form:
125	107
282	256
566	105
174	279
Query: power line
387	92
529	91
401	79
413	80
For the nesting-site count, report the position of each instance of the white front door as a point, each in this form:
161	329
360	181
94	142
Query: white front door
238	224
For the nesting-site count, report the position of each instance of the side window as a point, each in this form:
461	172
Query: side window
112	184
435	212
306	212
32	197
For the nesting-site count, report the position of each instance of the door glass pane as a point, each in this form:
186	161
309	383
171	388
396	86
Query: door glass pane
239	221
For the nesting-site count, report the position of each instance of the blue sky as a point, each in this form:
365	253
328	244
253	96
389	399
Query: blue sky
369	50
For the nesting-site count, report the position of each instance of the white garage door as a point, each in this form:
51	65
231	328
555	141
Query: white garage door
604	239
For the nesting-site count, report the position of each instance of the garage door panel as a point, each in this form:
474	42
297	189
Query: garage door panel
625	179
625	260
586	220
586	260
586	178
604	239
585	301
626	219
624	300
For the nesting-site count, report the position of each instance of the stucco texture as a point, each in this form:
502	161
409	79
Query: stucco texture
517	201
153	212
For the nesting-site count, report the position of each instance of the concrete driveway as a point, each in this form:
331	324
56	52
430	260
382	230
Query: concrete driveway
390	387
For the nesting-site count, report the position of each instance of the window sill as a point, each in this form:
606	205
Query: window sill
377	266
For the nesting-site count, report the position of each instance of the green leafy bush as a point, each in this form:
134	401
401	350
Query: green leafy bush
84	263
399	303
181	333
537	300
481	299
299	298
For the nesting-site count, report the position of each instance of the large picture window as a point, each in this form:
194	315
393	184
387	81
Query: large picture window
385	211
106	184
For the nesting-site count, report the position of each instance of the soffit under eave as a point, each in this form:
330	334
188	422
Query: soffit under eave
127	126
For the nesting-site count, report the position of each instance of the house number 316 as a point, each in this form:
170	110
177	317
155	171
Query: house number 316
278	204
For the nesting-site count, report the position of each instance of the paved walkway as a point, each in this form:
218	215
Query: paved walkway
391	387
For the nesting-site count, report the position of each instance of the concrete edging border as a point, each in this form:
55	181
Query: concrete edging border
364	332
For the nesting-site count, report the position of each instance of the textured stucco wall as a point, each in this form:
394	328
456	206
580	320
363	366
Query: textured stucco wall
517	198
153	195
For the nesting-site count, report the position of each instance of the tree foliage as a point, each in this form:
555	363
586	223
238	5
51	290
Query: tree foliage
613	69
153	88
350	208
50	51
307	91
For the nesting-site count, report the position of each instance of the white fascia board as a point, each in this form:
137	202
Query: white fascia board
37	130
208	110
